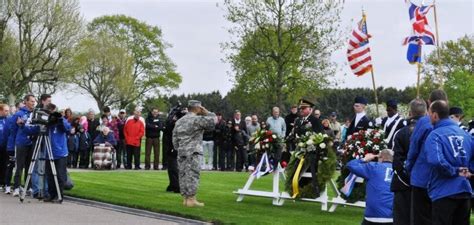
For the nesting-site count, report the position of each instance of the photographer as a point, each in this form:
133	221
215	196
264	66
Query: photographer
174	115
58	128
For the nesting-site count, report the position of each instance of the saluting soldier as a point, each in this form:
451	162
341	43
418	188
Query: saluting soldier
360	120
187	139
393	122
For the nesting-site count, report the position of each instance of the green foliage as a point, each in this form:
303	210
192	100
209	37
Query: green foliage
44	32
283	50
460	90
152	70
99	67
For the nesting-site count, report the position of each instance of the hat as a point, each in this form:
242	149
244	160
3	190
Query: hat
360	100
333	114
305	103
122	111
455	111
392	103
194	103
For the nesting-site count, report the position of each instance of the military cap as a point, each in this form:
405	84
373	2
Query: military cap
392	103
305	103
360	100
194	103
334	114
455	111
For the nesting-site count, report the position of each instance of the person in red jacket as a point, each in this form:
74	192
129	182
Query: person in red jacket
134	130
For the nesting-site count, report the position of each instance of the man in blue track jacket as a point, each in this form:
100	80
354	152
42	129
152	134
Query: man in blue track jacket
419	169
448	151
378	175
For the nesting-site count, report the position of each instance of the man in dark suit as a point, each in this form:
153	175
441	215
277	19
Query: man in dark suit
307	122
392	123
360	120
239	151
401	181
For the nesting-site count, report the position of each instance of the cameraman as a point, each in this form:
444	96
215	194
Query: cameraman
58	128
172	156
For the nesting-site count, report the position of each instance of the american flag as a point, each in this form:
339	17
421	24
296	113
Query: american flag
358	52
421	32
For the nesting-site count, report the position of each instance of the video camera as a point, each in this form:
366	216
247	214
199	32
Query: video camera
177	111
42	116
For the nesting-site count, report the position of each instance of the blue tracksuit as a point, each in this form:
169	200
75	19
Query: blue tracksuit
12	129
24	131
4	132
58	135
379	198
447	148
416	163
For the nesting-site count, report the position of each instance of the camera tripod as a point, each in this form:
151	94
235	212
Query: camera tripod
43	138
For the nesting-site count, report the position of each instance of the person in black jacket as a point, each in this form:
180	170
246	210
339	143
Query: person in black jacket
121	151
401	181
290	123
238	126
219	137
360	120
83	147
174	115
392	123
154	126
93	123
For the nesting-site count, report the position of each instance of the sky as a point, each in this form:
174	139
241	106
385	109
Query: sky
196	28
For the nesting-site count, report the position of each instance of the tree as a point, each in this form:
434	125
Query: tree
460	91
283	47
99	67
455	56
44	32
152	69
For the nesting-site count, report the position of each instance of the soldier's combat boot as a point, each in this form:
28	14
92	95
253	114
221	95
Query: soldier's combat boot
192	202
185	200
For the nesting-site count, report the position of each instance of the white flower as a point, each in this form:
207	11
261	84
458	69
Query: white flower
322	145
350	137
267	145
274	136
257	146
376	147
310	142
301	144
325	136
377	135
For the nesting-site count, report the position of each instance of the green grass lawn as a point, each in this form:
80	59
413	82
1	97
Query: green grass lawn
146	190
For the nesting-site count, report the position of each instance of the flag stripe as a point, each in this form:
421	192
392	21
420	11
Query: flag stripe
358	50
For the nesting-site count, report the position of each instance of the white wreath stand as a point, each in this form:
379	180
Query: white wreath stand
279	197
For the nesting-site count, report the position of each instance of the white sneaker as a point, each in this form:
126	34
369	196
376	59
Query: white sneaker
16	192
8	190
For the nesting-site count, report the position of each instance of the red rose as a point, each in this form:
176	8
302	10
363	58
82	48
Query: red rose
270	139
363	143
269	132
365	152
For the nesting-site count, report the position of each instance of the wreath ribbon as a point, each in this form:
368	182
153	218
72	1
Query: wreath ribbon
295	183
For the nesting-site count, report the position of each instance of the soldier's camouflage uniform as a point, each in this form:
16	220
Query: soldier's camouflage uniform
187	139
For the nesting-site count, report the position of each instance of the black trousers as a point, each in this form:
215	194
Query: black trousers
241	155
23	160
230	157
84	159
3	164
61	171
72	159
420	207
450	211
214	155
221	148
121	153
135	152
10	166
365	222
173	174
401	207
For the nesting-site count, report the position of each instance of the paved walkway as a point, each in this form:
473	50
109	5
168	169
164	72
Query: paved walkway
78	212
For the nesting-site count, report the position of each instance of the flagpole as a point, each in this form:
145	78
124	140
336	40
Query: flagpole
372	71
440	72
